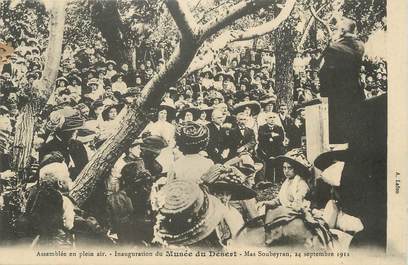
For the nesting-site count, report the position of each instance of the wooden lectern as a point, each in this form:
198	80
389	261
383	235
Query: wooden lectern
317	128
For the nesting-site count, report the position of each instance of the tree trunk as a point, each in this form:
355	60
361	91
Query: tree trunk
23	140
24	135
284	56
54	49
105	15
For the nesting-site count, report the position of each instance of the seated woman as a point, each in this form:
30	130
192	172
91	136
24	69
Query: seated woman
295	189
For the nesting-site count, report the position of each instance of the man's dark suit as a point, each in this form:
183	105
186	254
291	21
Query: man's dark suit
270	145
216	143
340	83
236	140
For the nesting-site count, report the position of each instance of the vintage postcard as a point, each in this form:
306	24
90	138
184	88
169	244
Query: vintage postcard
203	131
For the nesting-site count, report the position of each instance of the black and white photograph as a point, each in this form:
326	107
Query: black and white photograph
196	129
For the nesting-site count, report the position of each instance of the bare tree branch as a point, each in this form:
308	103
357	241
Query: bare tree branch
231	36
183	17
268	27
325	23
309	25
230	15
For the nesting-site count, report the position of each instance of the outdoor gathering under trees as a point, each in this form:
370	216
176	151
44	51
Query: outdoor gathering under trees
202	123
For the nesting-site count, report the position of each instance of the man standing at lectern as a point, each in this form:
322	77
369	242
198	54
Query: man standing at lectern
339	80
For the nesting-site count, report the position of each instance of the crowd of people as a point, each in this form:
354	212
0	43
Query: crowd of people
191	176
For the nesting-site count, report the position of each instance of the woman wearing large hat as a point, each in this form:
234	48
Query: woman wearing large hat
189	113
162	127
229	185
187	216
295	189
191	139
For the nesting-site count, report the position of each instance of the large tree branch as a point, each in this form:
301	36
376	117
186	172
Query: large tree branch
183	17
230	15
268	27
231	36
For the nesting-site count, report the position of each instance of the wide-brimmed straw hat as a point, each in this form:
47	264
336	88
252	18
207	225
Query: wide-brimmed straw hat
228	179
187	213
253	105
298	160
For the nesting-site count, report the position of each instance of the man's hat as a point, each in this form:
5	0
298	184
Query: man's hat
253	105
187	214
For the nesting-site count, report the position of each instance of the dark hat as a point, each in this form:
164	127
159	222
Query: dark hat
62	79
192	137
187	213
4	109
65	119
87	101
298	160
326	159
110	62
116	76
92	81
96	104
75	77
134	173
192	109
105	112
230	76
219	74
132	92
169	107
207	70
253	105
266	99
153	143
53	157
